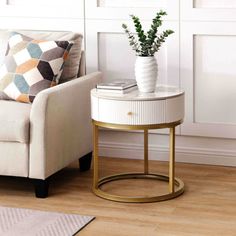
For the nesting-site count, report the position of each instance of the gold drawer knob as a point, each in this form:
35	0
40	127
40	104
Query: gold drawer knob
130	113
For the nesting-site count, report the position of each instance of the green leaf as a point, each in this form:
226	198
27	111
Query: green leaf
146	44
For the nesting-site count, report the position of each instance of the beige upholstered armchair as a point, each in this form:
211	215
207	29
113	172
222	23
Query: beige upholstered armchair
39	139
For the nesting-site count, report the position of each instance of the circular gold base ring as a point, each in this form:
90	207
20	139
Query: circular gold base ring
179	188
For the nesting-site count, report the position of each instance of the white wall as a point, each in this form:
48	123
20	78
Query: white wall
42	15
200	57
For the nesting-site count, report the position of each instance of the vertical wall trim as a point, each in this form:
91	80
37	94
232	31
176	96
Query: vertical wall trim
85	45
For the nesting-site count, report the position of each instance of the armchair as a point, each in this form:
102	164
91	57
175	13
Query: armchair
39	139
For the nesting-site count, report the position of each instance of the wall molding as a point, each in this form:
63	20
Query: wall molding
207	143
160	152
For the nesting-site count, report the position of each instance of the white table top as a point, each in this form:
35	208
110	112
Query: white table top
162	92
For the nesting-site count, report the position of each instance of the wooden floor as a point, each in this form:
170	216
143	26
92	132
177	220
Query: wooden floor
208	206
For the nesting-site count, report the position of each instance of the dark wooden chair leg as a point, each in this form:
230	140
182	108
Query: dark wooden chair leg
85	162
41	187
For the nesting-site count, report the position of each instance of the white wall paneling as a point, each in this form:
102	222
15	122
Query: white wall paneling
208	10
186	149
9	23
121	9
208	77
42	15
214	4
199	56
108	50
42	8
214	79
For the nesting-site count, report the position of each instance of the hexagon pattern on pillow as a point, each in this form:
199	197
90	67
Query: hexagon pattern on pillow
30	66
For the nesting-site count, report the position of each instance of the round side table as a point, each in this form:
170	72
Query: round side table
138	111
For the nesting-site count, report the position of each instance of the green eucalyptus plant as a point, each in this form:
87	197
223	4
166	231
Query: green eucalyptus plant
146	44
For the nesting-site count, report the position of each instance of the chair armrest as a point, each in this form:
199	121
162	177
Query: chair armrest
60	126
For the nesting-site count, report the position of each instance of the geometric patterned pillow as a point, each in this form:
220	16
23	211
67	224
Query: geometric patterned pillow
30	66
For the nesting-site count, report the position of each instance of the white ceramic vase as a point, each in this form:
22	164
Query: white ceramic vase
146	73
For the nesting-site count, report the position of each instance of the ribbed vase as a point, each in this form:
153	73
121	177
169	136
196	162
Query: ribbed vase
146	73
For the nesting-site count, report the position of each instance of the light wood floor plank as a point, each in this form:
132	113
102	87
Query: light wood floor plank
208	206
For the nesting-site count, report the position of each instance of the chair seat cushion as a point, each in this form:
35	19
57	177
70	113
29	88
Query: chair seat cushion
14	121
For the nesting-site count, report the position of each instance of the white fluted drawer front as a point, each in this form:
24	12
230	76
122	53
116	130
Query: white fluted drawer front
131	112
138	112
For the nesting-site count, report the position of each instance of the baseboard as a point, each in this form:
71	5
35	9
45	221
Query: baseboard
183	154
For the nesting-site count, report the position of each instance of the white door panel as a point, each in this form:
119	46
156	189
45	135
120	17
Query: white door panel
121	9
208	75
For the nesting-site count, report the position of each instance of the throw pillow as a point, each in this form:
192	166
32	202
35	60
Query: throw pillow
72	63
30	66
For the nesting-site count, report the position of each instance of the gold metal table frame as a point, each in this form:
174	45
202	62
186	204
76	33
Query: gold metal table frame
176	186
